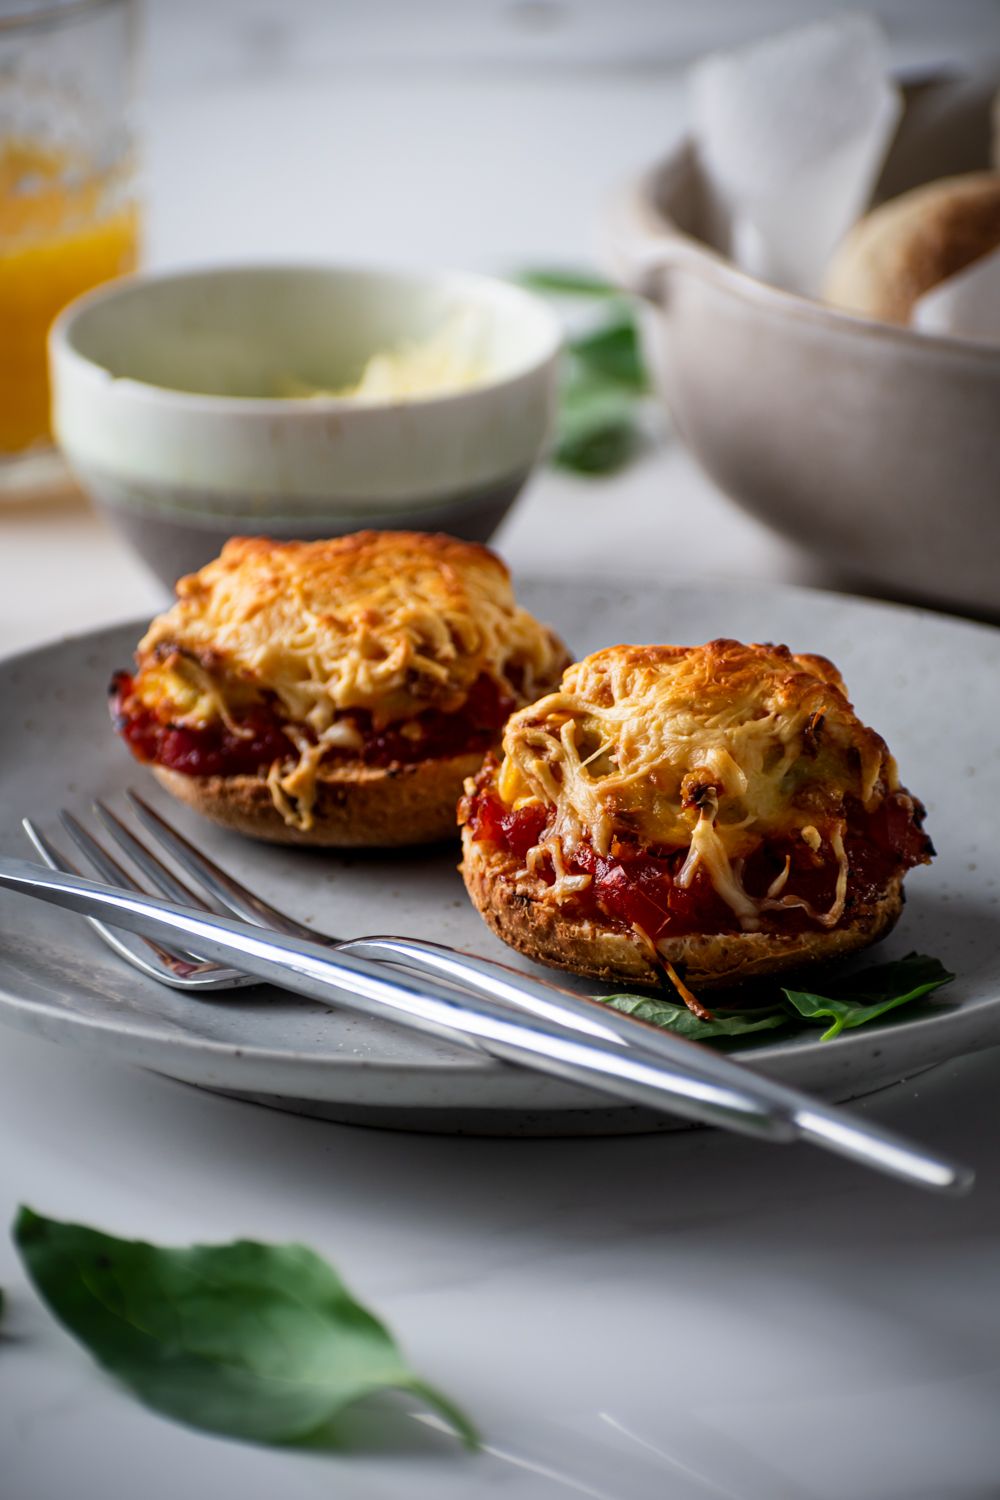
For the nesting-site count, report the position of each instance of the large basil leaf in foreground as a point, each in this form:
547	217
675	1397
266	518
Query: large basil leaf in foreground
850	1002
870	994
256	1341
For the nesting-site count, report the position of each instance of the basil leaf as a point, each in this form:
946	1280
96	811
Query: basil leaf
612	351
596	431
604	377
871	993
261	1342
850	1002
563	283
677	1018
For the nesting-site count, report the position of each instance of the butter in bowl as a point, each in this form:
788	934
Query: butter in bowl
301	402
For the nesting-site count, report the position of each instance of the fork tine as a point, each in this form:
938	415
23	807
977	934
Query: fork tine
47	849
108	867
228	892
162	966
145	860
145	954
104	863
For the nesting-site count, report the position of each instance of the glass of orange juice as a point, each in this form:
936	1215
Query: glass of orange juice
68	216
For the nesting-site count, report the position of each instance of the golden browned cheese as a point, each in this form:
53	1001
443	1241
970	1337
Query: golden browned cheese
391	623
705	748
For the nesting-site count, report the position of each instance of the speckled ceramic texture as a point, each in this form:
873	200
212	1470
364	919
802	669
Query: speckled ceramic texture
928	683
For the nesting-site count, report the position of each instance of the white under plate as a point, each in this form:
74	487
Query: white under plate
929	684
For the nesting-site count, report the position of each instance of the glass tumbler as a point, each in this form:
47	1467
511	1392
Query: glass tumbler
68	216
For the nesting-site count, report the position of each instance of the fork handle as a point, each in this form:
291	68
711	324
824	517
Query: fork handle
814	1120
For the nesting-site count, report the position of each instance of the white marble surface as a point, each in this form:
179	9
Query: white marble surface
764	1323
775	1323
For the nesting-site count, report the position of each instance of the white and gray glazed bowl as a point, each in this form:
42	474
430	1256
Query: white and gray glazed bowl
154	382
872	446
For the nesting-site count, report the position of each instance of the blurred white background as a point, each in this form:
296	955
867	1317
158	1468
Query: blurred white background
480	133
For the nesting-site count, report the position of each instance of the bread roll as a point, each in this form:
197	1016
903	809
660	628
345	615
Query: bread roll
905	247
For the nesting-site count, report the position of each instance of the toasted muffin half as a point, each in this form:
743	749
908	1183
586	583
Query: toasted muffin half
334	693
719	809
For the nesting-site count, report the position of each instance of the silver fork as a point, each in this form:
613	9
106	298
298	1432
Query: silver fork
179	970
467	971
753	1103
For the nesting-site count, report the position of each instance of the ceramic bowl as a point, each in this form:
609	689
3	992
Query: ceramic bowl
873	446
155	405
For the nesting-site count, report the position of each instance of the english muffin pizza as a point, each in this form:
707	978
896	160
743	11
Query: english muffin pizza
717	810
336	692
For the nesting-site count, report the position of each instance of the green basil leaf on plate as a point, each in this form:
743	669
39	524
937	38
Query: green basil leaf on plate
870	994
256	1341
670	1016
848	1003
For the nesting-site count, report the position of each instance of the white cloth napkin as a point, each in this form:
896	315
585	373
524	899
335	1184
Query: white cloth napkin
792	133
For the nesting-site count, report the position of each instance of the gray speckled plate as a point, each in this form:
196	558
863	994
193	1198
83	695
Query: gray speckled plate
930	684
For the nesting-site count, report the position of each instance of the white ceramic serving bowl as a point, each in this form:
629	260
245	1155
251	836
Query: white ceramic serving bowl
153	382
875	447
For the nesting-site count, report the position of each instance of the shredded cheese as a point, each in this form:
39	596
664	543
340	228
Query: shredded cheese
688	996
708	749
392	623
565	885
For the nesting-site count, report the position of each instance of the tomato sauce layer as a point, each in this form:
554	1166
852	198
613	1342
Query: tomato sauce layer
634	886
216	750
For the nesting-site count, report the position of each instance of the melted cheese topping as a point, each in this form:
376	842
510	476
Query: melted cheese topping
391	623
706	748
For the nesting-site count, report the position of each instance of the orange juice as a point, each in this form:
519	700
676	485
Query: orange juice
60	234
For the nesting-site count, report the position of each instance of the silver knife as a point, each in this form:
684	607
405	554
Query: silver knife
751	1104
